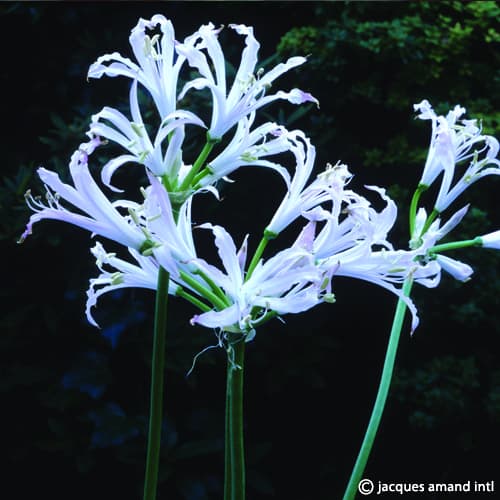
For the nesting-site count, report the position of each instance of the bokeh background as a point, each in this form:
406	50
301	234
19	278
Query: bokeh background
74	399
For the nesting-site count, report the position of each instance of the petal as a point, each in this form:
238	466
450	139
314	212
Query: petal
218	319
459	270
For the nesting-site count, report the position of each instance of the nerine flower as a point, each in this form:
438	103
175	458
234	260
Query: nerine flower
158	65
250	148
352	242
248	90
160	59
453	143
162	155
123	274
97	213
286	283
459	270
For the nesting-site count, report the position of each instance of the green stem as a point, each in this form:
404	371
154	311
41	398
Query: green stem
186	183
208	294
234	486
157	376
227	436
383	390
211	283
453	245
194	300
413	207
429	221
257	255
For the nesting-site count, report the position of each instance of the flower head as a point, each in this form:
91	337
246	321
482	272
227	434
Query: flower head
97	213
158	65
248	90
453	143
143	274
285	283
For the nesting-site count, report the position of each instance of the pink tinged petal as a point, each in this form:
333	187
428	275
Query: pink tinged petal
162	223
491	240
218	319
306	237
459	270
217	276
99	207
115	228
297	96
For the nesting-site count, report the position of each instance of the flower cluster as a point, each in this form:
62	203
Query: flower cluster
339	232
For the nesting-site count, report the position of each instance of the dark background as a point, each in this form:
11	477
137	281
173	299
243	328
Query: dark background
75	399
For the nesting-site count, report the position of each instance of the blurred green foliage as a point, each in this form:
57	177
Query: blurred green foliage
75	398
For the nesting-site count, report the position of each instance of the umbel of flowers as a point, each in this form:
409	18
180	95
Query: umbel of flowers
339	232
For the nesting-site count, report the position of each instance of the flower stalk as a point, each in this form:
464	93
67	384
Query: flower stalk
383	390
234	486
157	382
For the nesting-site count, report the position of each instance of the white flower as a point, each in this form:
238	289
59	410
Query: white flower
159	65
453	143
124	275
248	90
298	200
440	156
477	169
491	240
162	156
251	148
423	246
386	268
352	242
174	248
99	215
286	283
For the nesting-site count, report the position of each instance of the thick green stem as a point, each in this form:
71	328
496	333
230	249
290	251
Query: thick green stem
383	390
227	436
234	486
157	377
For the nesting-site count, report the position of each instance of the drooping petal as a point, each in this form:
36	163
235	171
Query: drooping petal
459	270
